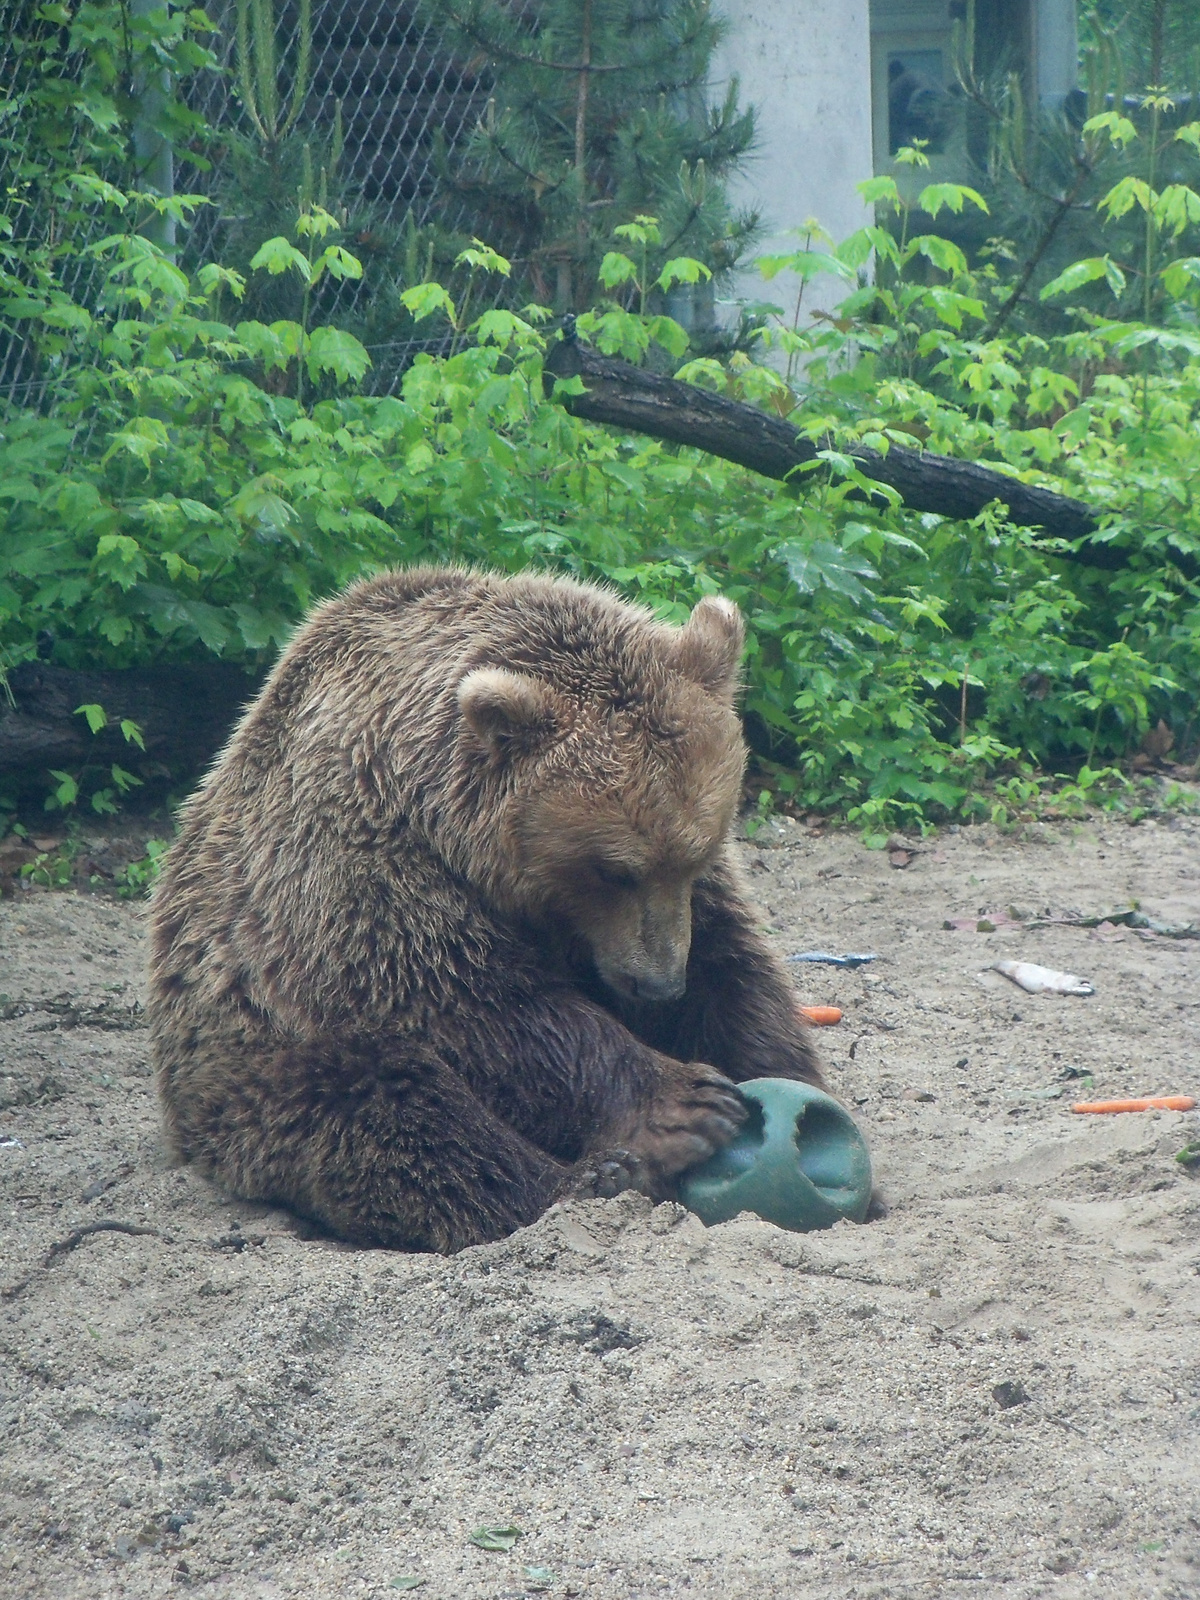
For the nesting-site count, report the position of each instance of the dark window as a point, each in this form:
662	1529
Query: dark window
917	100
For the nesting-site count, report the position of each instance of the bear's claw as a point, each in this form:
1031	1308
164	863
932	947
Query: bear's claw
697	1112
605	1174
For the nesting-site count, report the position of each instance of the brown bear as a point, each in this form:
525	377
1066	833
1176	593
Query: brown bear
452	928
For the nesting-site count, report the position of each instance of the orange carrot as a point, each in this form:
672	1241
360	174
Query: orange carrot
823	1016
1162	1102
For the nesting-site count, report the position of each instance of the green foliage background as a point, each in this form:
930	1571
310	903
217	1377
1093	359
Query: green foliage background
195	480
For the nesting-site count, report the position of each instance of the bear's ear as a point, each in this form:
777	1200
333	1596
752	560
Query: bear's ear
709	650
508	711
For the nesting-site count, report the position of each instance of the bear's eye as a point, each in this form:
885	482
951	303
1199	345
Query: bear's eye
614	875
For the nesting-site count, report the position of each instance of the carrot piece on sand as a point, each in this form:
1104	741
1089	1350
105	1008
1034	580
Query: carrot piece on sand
822	1016
1161	1102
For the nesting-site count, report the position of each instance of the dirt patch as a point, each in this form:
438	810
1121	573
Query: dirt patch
995	1390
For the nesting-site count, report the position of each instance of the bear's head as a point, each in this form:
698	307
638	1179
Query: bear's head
614	772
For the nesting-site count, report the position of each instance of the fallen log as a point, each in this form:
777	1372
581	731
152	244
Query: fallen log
184	713
628	397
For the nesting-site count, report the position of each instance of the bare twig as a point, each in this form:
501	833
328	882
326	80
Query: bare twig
62	1247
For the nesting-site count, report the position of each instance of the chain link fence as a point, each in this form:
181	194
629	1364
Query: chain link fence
24	379
371	106
378	72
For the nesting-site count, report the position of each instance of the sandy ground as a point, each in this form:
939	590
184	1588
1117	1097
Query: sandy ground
996	1390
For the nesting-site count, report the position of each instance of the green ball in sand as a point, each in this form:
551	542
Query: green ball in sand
799	1162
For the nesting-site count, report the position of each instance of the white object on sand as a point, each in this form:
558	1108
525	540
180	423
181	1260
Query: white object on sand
1042	980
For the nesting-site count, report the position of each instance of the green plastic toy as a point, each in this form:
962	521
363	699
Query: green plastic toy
799	1162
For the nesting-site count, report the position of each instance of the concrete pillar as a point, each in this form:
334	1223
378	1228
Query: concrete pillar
806	66
1056	50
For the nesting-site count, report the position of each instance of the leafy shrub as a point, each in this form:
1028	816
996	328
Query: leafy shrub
200	480
139	877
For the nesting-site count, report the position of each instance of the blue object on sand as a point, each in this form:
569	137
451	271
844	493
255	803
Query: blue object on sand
799	1161
828	960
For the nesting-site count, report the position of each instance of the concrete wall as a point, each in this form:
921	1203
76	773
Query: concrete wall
806	65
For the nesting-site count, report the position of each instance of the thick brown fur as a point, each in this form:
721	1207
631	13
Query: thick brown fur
452	927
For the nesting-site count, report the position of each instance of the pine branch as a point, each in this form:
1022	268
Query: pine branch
534	177
1061	212
517	58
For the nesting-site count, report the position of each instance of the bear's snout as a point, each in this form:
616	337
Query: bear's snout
643	985
641	943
